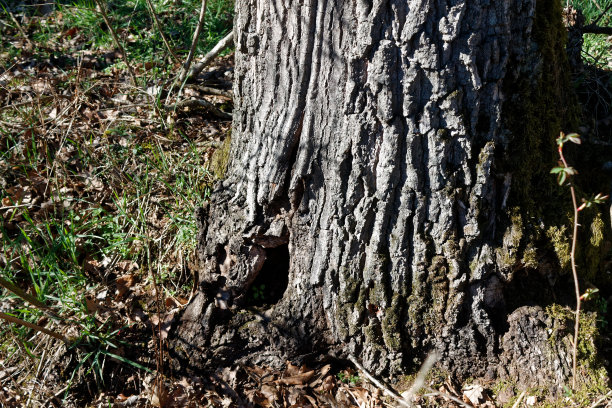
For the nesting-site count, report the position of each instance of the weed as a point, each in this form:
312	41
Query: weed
565	172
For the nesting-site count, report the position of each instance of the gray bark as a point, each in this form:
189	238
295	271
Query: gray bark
365	139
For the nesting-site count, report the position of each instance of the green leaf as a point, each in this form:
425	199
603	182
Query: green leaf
570	171
125	360
562	177
556	170
574	138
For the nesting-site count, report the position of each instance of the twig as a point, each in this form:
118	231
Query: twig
21	31
194	43
41	329
602	399
211	91
420	378
25	296
450	397
518	400
221	45
603	13
387	390
161	32
199	103
42	99
117	43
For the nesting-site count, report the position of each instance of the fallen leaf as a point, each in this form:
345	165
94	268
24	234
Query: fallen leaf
474	394
298	379
124	283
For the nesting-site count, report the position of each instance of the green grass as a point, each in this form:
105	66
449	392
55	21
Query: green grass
86	200
133	23
597	49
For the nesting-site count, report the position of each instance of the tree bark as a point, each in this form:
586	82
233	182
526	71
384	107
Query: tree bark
372	185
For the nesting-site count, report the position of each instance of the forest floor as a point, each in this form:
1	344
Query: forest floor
100	175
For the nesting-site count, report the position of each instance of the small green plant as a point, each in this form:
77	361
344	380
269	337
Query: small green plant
257	292
351	379
564	172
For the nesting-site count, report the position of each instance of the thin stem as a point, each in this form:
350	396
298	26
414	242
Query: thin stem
575	275
194	43
116	40
41	329
161	32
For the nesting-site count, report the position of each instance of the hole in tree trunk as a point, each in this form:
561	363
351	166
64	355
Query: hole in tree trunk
271	282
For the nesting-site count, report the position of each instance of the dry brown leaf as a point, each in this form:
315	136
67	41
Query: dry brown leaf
320	375
298	379
474	394
124	283
270	392
329	383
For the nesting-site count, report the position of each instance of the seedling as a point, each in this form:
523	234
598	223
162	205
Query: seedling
564	173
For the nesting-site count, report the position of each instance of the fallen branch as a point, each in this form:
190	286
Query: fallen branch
212	91
517	403
22	294
221	45
603	13
450	397
194	43
601	400
199	103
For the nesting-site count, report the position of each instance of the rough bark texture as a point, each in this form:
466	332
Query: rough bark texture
371	146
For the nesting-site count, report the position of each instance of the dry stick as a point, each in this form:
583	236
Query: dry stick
211	91
575	274
51	333
199	103
420	378
21	31
22	294
389	391
161	32
194	43
221	45
117	43
450	397
518	400
602	399
603	13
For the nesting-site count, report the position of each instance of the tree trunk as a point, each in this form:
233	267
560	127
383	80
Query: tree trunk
379	153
